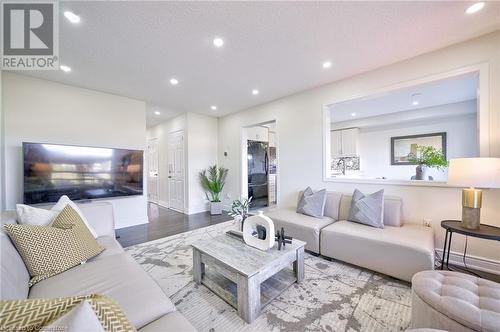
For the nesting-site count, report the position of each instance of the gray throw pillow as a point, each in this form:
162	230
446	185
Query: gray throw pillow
312	203
367	209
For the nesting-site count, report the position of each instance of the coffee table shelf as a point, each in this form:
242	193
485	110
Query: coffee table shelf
228	291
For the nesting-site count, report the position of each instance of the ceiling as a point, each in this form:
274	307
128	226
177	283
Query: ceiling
133	49
442	92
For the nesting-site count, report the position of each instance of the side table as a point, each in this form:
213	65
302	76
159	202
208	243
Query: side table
486	232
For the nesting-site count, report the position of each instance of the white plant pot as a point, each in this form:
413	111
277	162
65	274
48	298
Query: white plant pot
215	208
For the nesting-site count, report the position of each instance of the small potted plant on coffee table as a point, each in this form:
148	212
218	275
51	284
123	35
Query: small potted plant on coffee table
213	180
427	157
239	211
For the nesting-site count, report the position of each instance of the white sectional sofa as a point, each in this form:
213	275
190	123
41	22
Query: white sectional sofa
113	273
397	250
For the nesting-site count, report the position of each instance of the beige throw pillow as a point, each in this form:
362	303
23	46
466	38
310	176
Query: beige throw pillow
47	314
50	250
29	215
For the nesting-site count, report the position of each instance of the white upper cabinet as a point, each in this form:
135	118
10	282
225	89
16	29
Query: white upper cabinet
344	142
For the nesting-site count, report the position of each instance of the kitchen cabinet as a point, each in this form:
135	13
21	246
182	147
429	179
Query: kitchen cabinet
344	142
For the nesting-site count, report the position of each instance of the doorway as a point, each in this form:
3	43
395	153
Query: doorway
176	171
260	165
153	170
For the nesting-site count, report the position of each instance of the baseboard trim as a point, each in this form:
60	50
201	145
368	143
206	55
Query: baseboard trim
474	262
163	204
197	210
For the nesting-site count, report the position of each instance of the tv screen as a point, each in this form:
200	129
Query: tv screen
80	172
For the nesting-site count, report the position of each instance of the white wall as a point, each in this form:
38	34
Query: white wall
43	111
200	151
299	120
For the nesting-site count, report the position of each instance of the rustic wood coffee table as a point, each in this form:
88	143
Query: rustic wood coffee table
245	277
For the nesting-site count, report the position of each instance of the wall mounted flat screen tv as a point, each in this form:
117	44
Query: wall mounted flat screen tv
80	172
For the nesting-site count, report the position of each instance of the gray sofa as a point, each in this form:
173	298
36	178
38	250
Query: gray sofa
397	250
113	273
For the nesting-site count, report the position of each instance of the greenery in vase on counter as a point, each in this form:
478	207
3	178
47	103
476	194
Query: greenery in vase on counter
428	156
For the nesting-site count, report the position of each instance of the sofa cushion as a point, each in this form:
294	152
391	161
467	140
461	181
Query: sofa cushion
29	215
367	209
397	251
100	217
117	276
81	319
312	203
111	246
332	204
31	314
14	276
65	201
300	226
49	250
392	210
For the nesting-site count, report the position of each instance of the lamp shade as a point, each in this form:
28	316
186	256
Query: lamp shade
474	172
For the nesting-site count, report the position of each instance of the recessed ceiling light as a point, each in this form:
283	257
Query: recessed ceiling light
415	103
174	81
218	42
255	92
213	108
327	64
353	114
475	8
64	68
72	17
157	112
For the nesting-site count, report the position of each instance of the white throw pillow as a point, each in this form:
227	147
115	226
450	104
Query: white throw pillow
61	204
30	215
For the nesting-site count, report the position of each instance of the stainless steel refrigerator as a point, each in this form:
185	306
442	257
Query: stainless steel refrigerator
258	173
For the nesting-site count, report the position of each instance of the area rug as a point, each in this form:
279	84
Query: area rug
333	297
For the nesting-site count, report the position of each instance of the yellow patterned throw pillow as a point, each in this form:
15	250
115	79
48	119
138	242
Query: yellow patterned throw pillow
33	314
50	250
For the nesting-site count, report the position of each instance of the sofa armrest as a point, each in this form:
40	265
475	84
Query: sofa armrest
100	216
9	217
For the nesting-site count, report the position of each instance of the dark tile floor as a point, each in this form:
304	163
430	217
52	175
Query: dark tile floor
165	222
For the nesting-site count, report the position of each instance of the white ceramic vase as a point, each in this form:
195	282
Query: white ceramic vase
250	227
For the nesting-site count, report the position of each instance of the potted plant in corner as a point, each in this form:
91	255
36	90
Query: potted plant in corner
213	180
427	157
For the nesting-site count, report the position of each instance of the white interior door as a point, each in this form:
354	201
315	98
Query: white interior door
176	171
153	170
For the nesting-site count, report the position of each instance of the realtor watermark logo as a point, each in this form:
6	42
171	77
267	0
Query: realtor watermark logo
30	35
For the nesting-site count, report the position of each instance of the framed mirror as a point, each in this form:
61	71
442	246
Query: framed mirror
396	134
403	147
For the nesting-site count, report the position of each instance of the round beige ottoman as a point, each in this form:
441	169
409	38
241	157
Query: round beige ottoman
455	302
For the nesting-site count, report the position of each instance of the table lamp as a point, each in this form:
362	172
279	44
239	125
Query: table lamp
473	173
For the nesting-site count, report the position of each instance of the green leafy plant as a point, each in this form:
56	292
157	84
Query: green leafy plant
240	208
213	180
428	156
